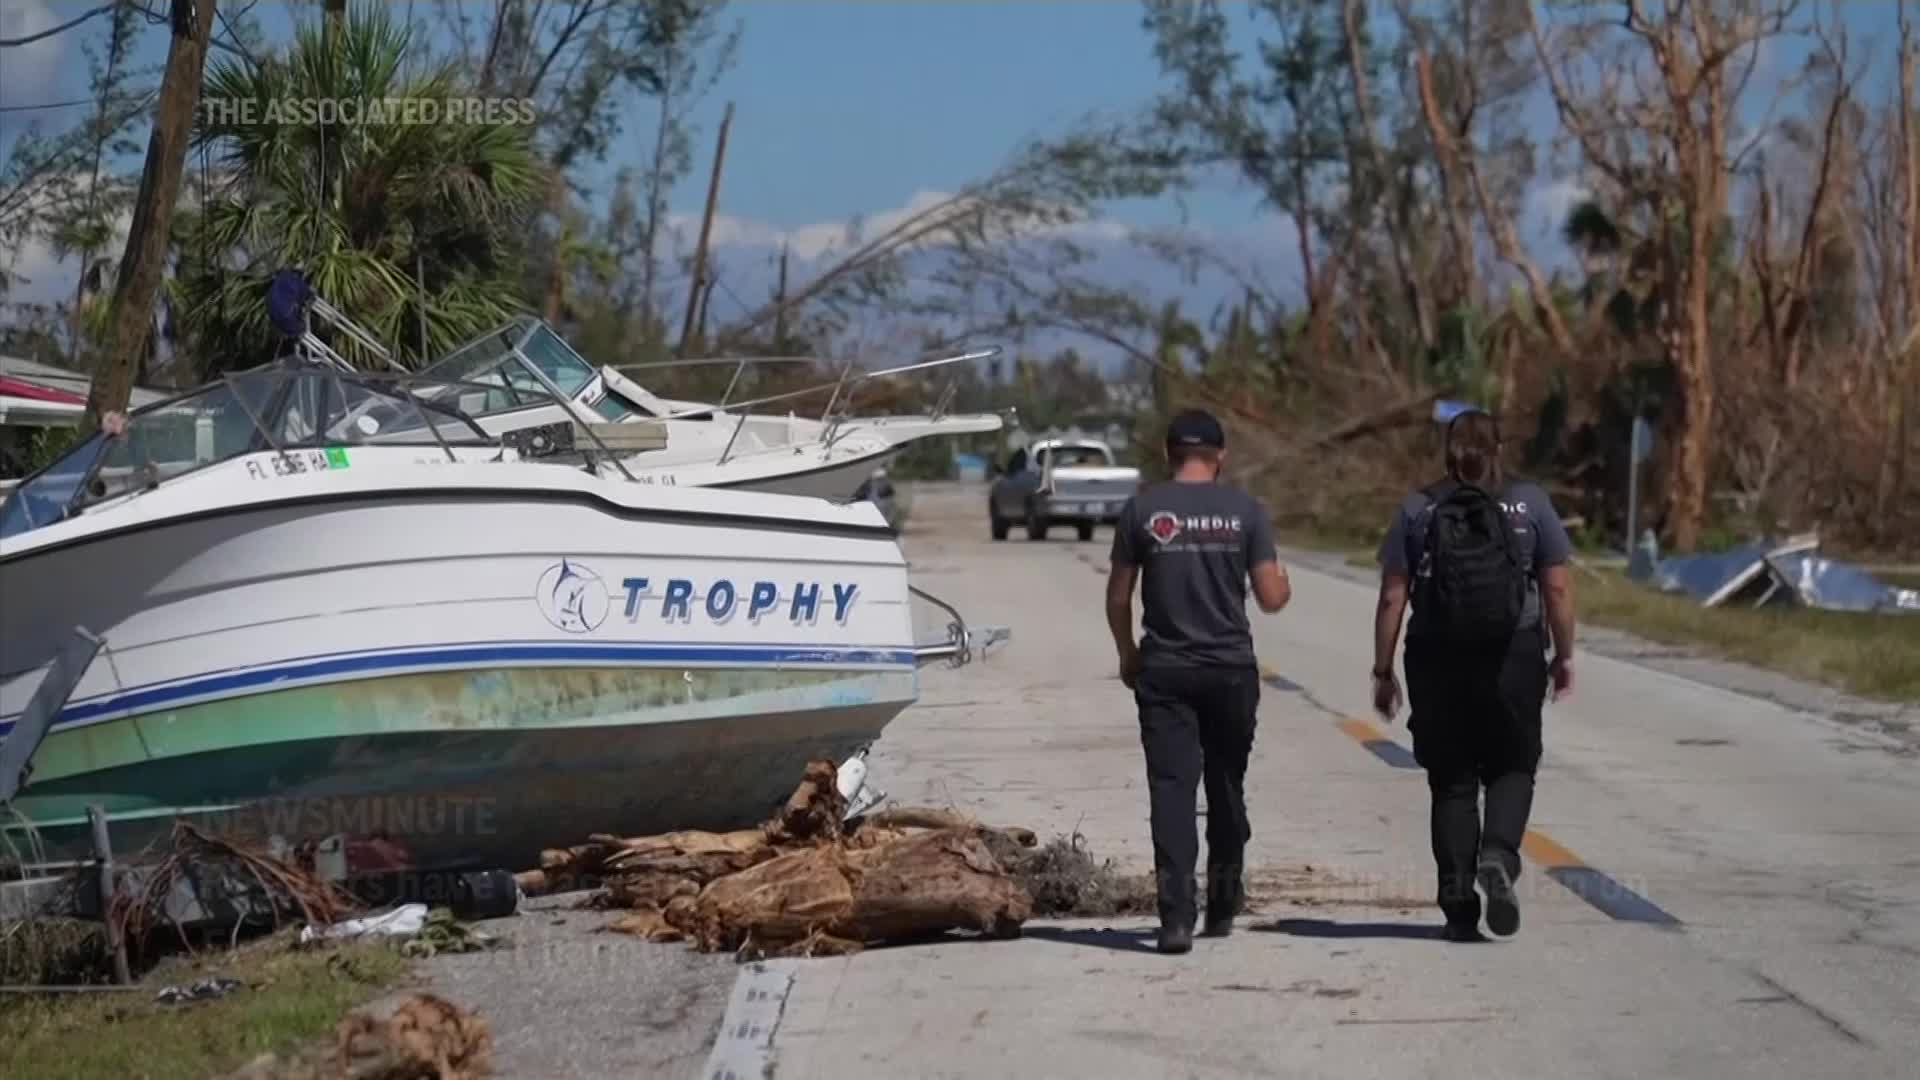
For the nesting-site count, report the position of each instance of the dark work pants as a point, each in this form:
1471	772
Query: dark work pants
1476	723
1197	723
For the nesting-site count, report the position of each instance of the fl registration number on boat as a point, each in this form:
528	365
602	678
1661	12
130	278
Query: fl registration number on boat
297	462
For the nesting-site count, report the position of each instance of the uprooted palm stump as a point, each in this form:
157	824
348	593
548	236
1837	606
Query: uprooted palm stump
804	883
836	898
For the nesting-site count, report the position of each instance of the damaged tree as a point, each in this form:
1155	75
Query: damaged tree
1656	131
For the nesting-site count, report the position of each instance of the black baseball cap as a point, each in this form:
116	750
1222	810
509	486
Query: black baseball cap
1196	427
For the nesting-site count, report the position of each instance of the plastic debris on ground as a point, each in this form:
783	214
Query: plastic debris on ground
202	990
403	921
1772	573
428	933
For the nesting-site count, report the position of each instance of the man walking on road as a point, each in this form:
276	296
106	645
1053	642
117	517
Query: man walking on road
1193	544
1485	564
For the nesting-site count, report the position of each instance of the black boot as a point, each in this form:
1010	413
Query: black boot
1176	937
1503	907
1177	904
1226	896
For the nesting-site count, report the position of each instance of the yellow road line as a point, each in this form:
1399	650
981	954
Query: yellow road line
1548	852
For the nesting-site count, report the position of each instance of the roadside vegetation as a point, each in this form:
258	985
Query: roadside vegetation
290	997
1870	655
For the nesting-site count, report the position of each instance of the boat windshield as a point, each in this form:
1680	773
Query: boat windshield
494	369
287	406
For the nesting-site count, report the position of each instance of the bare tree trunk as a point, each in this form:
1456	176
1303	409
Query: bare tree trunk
696	301
1417	299
115	47
1893	470
145	256
1446	151
1505	238
1689	467
656	196
1303	230
562	247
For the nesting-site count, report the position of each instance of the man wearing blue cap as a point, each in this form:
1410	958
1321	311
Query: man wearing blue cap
1193	544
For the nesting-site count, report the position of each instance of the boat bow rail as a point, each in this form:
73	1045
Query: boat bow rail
835	418
957	649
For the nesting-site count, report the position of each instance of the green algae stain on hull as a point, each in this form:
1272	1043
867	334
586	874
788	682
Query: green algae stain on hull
467	765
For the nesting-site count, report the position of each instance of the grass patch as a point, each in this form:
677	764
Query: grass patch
291	997
1870	655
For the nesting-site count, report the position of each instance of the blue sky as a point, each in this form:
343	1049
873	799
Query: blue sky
852	108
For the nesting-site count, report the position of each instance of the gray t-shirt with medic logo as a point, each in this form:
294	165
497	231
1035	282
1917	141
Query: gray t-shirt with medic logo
1194	544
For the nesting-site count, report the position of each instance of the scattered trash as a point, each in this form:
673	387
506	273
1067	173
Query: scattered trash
852	782
443	932
224	875
426	1037
1784	573
428	933
203	990
403	921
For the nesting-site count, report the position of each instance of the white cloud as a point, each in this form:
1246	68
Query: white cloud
36	275
39	276
825	238
33	67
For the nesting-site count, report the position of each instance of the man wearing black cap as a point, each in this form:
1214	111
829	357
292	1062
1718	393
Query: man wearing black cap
1194	543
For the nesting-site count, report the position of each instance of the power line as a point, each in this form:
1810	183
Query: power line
7	43
46	105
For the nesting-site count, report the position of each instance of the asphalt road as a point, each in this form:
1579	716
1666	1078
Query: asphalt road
1719	884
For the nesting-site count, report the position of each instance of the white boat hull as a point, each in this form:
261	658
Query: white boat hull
557	645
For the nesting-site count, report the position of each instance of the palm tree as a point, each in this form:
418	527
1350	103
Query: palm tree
412	224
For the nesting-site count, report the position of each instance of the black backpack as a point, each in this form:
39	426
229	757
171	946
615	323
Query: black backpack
1476	590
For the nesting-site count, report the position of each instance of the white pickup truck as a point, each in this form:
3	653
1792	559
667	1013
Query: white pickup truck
1060	482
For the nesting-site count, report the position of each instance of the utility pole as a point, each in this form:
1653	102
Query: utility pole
706	298
780	304
699	282
144	258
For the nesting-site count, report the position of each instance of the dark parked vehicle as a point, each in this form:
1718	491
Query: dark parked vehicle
1060	482
878	489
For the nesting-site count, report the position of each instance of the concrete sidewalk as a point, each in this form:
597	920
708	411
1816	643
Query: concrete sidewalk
1750	903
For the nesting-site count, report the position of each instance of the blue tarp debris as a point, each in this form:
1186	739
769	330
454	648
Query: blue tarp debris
1788	572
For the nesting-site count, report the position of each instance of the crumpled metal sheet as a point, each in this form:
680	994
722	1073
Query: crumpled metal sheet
1788	573
1837	586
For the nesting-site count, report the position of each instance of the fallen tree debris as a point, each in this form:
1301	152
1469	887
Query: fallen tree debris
835	899
425	1038
1066	882
807	882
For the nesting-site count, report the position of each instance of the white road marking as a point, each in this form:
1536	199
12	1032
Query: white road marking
744	1047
